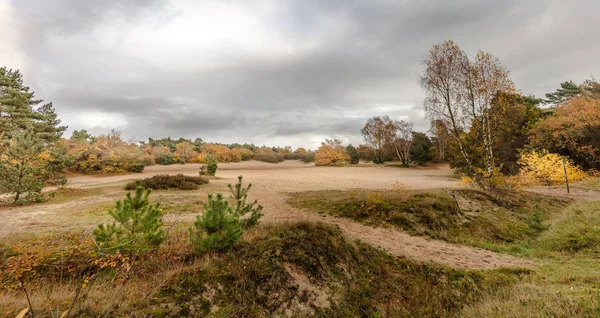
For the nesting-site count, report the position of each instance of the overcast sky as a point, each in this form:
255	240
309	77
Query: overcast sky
275	72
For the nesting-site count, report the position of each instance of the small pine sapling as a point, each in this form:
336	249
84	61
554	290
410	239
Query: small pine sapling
240	195
137	225
218	228
211	165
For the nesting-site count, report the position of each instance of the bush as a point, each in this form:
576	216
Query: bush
211	165
268	155
353	153
221	225
308	157
137	226
547	168
331	155
218	228
165	181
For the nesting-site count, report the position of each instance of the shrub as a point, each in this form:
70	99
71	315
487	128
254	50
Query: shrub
137	225
547	168
331	155
308	157
220	227
165	181
211	165
268	155
353	153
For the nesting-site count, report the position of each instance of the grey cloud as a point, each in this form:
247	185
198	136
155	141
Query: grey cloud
368	55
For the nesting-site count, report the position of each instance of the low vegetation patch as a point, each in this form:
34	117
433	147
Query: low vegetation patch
300	269
310	269
164	182
463	216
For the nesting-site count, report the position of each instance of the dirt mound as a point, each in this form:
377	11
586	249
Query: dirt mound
310	269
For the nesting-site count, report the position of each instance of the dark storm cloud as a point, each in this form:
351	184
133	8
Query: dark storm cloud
313	69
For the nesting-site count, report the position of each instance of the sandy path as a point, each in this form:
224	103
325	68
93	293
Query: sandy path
270	185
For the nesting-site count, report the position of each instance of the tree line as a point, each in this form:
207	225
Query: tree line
480	123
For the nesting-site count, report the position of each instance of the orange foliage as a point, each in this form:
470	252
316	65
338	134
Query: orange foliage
331	155
574	130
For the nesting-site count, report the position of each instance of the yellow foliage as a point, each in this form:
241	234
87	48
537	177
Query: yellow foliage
328	155
547	168
466	181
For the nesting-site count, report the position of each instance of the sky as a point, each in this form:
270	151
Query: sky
275	72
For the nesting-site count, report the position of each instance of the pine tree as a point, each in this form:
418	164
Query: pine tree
240	195
22	167
19	109
211	164
218	228
137	225
353	153
566	91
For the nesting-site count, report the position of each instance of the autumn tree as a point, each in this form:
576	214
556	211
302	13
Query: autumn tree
573	131
377	132
184	150
331	153
402	140
460	92
440	138
444	68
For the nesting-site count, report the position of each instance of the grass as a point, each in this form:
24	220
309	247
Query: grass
300	269
588	184
567	281
461	216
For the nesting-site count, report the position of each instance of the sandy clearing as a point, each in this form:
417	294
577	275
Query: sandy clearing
271	182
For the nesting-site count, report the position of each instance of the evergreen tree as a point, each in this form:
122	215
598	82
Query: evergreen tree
420	151
137	225
218	228
240	195
211	164
22	167
19	109
566	91
353	153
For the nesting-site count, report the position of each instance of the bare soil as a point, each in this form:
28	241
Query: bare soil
271	183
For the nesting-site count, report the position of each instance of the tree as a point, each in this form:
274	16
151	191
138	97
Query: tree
566	91
443	74
22	167
378	132
514	116
440	138
331	153
353	153
19	110
82	136
460	92
573	131
137	225
402	140
420	151
184	150
221	226
212	164
240	196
